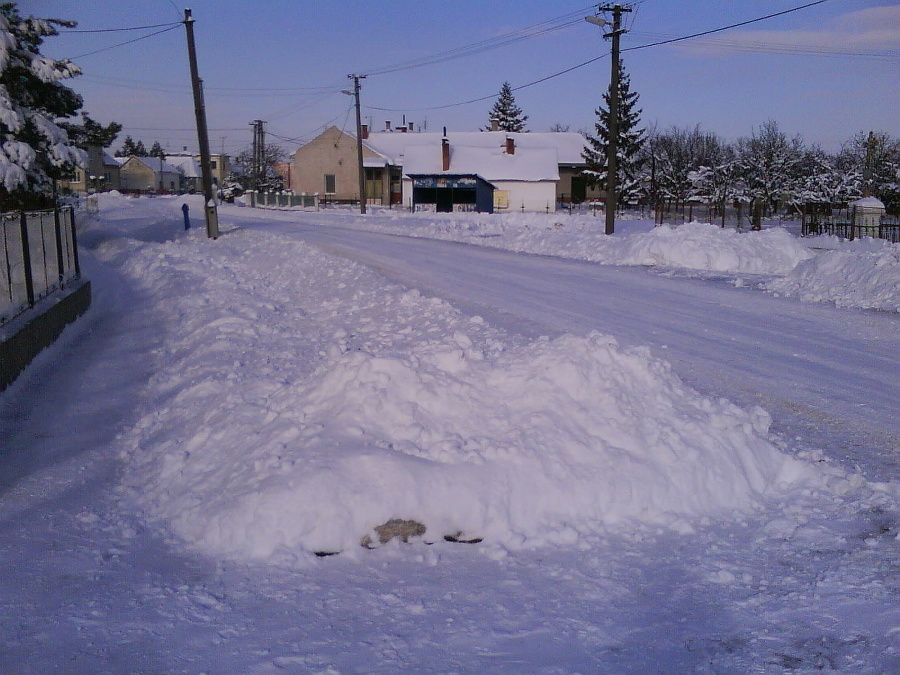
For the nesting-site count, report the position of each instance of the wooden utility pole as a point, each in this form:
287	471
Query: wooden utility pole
212	217
359	144
612	148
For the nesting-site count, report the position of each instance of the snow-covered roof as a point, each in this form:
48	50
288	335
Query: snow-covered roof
869	203
186	164
156	164
394	145
109	160
491	163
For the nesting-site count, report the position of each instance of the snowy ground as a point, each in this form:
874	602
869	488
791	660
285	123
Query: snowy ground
227	409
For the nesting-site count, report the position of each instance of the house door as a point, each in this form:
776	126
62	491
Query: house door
444	200
579	189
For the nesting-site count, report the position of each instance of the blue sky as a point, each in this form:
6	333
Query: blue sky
825	72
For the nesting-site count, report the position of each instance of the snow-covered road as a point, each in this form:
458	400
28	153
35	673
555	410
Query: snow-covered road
829	377
221	383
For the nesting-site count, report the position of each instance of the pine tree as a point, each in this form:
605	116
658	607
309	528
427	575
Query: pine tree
157	151
506	113
34	150
630	141
131	148
90	133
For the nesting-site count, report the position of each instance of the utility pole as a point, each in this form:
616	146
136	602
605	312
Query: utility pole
359	144
259	153
212	216
612	148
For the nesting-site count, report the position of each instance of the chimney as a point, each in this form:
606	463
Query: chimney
364	131
495	124
412	126
387	125
445	151
510	145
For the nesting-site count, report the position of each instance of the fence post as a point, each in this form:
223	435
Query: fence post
60	263
26	260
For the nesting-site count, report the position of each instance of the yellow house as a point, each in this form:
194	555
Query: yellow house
149	174
101	173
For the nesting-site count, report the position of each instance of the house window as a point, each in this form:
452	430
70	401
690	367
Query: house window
212	164
330	187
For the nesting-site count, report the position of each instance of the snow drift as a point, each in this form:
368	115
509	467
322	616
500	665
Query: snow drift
868	279
300	404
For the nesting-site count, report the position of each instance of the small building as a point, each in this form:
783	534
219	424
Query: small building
188	165
485	178
865	216
149	174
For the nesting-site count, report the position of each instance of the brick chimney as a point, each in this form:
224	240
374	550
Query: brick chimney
364	131
510	145
387	125
445	152
495	124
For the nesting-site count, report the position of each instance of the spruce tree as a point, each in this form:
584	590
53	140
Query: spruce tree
630	141
157	151
91	133
507	114
34	150
131	148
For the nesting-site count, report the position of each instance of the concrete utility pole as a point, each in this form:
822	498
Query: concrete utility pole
612	148
259	153
212	216
359	144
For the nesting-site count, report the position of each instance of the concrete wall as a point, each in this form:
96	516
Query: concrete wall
25	337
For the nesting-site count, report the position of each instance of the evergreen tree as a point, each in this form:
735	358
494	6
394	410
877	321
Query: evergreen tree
506	113
157	151
90	133
34	150
131	148
630	141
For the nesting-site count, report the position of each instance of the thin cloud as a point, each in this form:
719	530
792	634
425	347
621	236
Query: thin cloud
875	31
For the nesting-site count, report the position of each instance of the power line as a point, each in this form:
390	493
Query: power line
729	27
119	30
594	60
512	37
127	42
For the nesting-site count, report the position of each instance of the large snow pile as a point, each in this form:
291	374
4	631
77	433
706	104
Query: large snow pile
301	401
866	277
700	246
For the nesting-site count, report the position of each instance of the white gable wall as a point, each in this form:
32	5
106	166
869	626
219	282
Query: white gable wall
533	196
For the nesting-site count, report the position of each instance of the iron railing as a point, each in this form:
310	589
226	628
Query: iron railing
285	200
888	228
38	256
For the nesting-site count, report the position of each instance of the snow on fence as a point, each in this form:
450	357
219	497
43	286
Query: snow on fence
37	257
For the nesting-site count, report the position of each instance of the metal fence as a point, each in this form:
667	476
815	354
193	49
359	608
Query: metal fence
888	228
38	256
285	200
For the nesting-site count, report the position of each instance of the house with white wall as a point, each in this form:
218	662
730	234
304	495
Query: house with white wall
526	171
